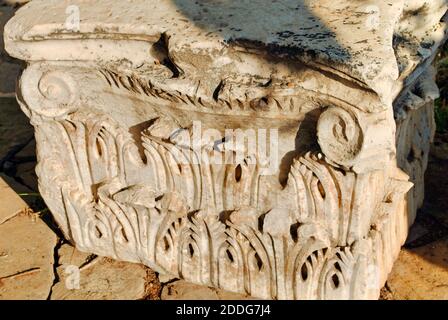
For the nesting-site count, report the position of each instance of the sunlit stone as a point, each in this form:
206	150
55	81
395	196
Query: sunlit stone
266	148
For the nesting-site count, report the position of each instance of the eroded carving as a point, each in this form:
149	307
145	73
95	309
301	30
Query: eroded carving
216	234
123	172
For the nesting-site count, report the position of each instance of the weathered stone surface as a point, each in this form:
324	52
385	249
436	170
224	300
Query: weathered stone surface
415	133
100	278
116	100
68	255
353	37
26	258
182	290
421	269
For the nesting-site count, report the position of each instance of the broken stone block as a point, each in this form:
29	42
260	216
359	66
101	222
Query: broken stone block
26	259
266	148
86	277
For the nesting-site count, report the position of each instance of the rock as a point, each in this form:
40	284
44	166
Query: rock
326	221
68	255
153	286
165	278
385	294
421	273
26	258
101	278
182	290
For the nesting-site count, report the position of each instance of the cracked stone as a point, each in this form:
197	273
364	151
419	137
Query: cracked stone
182	290
101	278
68	255
371	59
165	278
26	258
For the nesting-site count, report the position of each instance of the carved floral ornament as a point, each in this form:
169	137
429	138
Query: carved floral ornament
203	223
349	138
112	119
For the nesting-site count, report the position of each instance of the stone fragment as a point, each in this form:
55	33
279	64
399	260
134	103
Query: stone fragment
101	278
68	255
165	278
26	258
136	109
